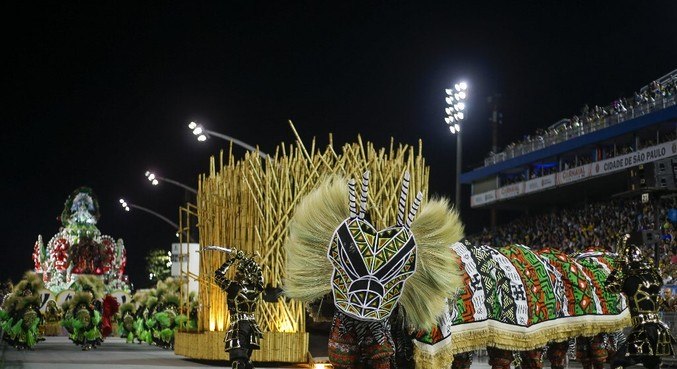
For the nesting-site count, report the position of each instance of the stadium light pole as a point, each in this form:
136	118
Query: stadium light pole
127	205
154	179
203	134
455	111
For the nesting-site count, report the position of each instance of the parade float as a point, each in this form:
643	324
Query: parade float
247	204
79	248
77	251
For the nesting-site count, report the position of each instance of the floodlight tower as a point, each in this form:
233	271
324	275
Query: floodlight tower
455	111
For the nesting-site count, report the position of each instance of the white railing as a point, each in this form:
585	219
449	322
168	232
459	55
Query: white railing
607	121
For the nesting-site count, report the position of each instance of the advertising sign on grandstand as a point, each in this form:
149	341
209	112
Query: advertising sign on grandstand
540	183
646	155
509	191
483	198
573	174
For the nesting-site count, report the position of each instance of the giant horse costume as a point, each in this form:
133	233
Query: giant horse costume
333	247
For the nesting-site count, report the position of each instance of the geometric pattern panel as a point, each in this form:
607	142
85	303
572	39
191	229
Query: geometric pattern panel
370	267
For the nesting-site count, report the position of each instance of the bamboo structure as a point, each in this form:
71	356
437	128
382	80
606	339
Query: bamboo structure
247	204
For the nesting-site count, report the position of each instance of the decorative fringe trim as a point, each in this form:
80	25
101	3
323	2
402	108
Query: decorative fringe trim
477	335
442	357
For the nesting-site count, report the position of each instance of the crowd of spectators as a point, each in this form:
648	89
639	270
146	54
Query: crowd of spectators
592	119
574	229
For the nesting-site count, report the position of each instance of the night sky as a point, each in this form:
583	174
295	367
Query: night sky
98	92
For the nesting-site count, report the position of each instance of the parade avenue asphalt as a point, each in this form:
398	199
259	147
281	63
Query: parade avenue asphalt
60	353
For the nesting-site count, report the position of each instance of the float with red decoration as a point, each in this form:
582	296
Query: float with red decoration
79	248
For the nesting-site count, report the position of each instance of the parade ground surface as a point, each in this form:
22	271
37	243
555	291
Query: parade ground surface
60	353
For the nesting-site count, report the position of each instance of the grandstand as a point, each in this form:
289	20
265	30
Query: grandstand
626	148
583	181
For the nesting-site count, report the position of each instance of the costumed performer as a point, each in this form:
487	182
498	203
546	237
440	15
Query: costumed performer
20	315
332	247
650	338
243	293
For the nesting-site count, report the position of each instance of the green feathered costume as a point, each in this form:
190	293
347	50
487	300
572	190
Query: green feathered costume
20	315
82	321
82	314
139	331
332	248
126	322
166	318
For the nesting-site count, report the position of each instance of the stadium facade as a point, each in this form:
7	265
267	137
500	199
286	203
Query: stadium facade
628	147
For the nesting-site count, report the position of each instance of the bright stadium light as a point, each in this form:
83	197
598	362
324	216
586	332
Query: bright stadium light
154	179
203	134
127	206
455	115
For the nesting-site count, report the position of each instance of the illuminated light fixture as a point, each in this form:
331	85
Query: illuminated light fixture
155	180
128	206
455	99
203	134
124	204
321	363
